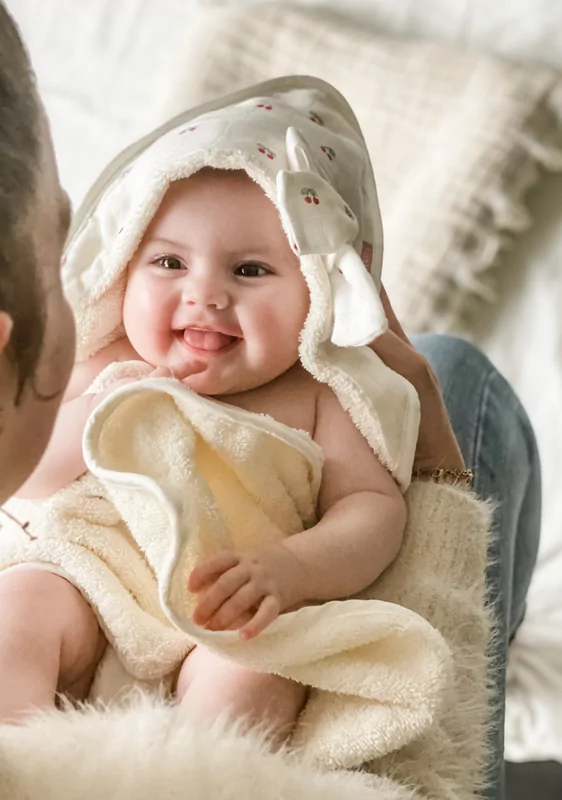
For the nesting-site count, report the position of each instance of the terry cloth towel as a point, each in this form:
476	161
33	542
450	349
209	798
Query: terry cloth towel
127	533
176	477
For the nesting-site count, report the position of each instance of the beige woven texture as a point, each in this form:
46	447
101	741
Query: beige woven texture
456	137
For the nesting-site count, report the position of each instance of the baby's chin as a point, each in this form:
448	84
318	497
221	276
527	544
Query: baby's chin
209	383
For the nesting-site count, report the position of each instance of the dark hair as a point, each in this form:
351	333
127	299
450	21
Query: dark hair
21	291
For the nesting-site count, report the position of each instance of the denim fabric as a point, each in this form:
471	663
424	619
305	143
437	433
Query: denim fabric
498	443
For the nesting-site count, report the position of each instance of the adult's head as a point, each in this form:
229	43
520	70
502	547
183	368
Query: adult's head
36	326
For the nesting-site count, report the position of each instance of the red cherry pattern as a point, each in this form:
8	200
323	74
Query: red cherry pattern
265	151
267	107
310	196
188	130
314	117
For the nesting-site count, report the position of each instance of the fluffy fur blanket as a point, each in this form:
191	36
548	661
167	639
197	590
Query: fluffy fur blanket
147	751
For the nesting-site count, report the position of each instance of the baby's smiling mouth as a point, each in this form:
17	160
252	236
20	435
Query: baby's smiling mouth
203	339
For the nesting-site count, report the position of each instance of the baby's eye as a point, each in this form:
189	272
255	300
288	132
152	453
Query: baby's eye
169	262
251	270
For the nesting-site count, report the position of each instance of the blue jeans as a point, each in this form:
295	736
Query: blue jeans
497	442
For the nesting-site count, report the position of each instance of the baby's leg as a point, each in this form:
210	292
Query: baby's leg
209	686
49	640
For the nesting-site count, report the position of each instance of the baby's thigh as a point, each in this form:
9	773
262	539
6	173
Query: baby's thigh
217	684
41	613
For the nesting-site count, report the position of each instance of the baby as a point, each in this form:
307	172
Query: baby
215	296
253	292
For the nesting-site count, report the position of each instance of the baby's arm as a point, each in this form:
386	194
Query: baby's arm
362	512
363	516
63	462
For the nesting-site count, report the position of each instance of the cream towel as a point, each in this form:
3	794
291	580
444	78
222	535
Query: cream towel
180	477
139	752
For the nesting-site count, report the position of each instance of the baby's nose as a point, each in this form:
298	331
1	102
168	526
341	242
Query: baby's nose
206	294
206	297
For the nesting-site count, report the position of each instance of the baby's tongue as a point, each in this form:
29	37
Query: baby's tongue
206	340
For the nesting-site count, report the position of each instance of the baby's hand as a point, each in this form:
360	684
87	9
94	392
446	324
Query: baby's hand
245	591
179	371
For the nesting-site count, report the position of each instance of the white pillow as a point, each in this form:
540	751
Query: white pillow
522	29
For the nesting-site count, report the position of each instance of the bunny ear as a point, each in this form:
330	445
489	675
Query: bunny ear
297	153
358	314
313	213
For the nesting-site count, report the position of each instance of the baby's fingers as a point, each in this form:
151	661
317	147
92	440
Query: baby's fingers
245	599
183	371
178	371
241	621
161	372
393	323
268	611
210	570
218	593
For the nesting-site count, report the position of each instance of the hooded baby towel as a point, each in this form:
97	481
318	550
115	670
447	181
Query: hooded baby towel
173	477
300	141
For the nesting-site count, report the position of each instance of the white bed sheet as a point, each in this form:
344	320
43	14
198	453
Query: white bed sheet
98	63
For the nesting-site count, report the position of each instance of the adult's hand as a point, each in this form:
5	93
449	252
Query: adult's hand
437	446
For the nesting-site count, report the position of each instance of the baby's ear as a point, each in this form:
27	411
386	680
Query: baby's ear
6	325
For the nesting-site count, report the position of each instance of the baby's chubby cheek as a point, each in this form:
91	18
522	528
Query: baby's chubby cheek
273	353
279	329
147	325
140	299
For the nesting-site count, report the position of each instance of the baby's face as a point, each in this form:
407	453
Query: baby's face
215	285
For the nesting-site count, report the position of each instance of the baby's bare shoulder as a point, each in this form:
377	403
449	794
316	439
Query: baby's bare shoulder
85	372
